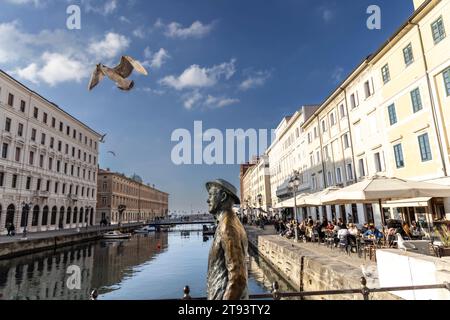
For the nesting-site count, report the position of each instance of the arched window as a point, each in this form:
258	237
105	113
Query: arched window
81	214
91	222
75	215
45	216
53	217
69	213
61	218
35	220
10	213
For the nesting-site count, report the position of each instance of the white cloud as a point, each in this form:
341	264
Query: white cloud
255	80
110	46
124	19
327	13
36	3
56	68
197	77
159	58
192	99
139	33
107	7
219	102
176	30
338	74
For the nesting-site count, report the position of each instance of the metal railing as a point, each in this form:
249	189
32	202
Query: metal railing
277	295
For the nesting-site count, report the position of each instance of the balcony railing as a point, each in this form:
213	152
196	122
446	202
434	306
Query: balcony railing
72	197
41	194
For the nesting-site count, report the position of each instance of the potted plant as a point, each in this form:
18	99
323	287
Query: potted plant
442	233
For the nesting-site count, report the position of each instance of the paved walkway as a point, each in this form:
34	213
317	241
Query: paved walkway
65	232
335	255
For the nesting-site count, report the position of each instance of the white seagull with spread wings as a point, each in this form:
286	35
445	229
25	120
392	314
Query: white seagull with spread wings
118	74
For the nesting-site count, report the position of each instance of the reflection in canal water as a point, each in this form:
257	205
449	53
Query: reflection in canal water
154	266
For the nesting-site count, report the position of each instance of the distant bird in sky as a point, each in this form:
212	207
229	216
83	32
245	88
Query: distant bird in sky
113	153
102	139
118	74
404	245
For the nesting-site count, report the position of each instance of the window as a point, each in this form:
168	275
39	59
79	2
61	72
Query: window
28	185
18	154
377	160
20	130
392	114
41	161
338	175
56	187
330	178
342	111
67	148
58	165
324	126
35	112
353	101
50	163
447	81
5	151
309	140
438	30
425	150
346	141
408	55
2	178
385	74
22	106
31	159
8	125
53	122
367	89
38	184
48	185
362	170
14	181
349	171
73	152
11	100
59	146
332	119
74	134
33	134
61	126
315	137
416	100
43	138
398	152
68	130
44	118
52	142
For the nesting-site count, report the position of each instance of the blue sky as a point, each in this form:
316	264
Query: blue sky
228	63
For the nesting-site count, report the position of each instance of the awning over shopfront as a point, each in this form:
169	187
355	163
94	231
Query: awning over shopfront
411	202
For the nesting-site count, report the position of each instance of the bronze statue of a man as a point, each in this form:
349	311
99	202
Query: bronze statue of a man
227	264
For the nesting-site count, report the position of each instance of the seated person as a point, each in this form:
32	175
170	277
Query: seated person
406	230
373	233
342	235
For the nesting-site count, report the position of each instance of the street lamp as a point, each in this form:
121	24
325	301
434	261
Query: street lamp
294	183
26	208
259	197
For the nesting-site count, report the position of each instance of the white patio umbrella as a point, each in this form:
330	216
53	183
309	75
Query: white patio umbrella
315	199
379	188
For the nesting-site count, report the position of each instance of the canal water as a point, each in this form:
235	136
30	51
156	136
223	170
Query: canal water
153	266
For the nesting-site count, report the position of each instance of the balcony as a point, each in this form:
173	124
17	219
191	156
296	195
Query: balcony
42	194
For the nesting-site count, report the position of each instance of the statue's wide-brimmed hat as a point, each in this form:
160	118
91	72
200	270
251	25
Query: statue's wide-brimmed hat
228	187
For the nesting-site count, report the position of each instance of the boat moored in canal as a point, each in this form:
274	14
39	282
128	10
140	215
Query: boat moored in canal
209	230
116	235
145	229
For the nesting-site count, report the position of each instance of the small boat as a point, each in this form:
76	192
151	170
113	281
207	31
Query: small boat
209	231
116	235
145	229
163	228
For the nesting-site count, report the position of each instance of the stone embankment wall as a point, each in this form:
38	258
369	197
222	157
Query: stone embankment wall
307	270
22	247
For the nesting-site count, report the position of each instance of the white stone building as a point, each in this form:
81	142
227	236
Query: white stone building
48	161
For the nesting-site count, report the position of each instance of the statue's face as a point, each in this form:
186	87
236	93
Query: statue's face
215	198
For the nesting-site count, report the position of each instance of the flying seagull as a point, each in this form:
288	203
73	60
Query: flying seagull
404	245
112	152
118	74
102	139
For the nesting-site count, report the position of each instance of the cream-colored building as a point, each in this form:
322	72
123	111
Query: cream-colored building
48	161
390	117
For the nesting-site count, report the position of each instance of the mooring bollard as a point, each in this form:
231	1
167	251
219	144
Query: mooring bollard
275	292
186	291
364	290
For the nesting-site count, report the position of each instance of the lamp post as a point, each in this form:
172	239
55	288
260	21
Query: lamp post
259	197
294	183
26	207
